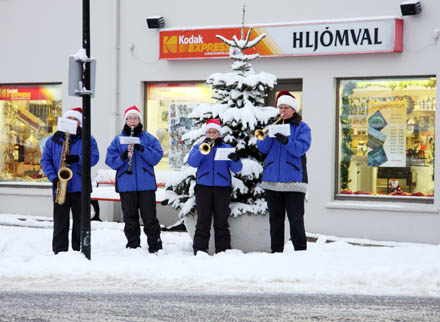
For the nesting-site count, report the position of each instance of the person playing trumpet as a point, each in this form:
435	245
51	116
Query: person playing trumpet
50	163
285	175
137	188
213	189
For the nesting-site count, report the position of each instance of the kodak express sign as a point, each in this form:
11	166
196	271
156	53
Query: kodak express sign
29	93
336	37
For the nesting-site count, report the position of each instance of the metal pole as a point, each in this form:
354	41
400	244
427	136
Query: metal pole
86	179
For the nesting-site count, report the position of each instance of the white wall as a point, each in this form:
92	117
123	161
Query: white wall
381	221
37	38
41	34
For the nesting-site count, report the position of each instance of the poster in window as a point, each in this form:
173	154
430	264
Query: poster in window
387	134
179	124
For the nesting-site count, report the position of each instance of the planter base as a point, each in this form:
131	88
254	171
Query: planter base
248	233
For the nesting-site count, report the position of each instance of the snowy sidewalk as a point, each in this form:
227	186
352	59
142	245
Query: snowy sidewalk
27	263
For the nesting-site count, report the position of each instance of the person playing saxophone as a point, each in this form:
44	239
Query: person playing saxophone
137	188
50	163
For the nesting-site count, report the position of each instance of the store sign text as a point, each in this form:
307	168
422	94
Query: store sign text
356	36
13	94
25	93
347	37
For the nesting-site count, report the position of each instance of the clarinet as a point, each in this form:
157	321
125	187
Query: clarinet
130	154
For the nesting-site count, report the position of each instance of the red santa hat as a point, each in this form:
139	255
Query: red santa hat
76	113
212	124
284	97
132	110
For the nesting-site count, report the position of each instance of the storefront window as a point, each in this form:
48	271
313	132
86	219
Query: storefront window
386	138
168	106
28	116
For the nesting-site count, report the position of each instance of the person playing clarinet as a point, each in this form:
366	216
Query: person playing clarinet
135	179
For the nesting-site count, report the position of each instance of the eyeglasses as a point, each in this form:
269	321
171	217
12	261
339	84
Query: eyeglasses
132	118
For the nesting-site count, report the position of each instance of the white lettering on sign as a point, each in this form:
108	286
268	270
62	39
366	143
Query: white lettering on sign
190	40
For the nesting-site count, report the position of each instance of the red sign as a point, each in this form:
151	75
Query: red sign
27	93
200	43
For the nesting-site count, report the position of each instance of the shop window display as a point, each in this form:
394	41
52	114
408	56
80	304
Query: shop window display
28	116
168	106
386	138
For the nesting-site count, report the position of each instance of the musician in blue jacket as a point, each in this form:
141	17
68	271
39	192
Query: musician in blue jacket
50	163
285	175
213	190
136	181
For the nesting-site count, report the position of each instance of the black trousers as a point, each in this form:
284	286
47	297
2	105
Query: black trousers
96	209
212	202
145	201
278	203
60	239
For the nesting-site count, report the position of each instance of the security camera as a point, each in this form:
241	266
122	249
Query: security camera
155	22
410	7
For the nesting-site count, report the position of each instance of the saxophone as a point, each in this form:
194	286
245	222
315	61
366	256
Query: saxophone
64	174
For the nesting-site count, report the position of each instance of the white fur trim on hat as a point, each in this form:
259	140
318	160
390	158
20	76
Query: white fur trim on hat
287	100
214	126
132	110
75	113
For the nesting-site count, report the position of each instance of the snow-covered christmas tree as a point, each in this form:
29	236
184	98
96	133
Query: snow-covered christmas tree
240	107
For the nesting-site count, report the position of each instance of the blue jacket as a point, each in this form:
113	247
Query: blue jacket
143	177
50	161
284	162
210	172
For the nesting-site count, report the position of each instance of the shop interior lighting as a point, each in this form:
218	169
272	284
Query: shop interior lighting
155	22
410	7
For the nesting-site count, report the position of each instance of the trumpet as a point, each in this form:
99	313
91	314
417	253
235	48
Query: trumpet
260	134
205	148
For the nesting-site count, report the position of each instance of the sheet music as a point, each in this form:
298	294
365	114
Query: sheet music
129	140
279	128
67	125
222	154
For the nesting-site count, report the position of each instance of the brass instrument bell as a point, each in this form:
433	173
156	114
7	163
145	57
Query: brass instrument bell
205	148
260	134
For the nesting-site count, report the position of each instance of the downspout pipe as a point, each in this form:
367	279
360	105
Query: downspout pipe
117	46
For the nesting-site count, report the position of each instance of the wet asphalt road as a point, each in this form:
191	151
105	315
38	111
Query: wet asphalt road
39	306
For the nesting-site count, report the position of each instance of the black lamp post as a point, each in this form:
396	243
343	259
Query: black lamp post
85	176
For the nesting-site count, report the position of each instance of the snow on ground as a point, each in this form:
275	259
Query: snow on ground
27	263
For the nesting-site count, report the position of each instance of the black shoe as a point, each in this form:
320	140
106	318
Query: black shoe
132	247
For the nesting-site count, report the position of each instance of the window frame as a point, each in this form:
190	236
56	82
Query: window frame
31	184
351	197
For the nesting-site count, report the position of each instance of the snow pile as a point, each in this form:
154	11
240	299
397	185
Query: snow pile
105	176
108	176
27	263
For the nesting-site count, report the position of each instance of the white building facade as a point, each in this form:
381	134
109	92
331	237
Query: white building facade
365	77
